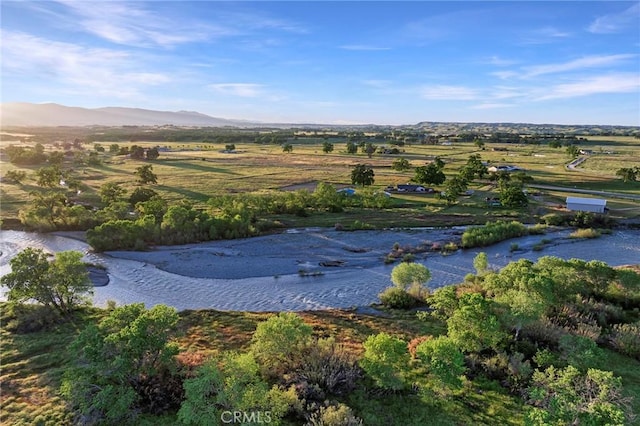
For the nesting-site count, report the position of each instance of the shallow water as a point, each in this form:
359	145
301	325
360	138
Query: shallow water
261	274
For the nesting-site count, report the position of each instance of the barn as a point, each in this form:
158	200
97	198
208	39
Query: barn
595	205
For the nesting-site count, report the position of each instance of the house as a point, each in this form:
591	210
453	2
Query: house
413	188
595	205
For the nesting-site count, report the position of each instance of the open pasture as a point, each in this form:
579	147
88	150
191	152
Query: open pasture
198	171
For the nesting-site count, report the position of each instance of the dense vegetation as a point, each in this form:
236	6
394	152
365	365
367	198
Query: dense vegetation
551	342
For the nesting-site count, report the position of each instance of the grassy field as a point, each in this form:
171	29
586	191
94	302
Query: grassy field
198	171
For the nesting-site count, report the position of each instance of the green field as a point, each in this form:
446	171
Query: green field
198	171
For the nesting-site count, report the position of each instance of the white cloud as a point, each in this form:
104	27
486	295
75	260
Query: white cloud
245	90
545	35
68	67
449	93
616	22
611	83
577	64
490	105
130	24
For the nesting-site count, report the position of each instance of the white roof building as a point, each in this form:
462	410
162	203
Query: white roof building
595	205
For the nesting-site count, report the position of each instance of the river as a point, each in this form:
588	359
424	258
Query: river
262	273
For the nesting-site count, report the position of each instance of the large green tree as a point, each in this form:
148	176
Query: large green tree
145	174
125	366
362	174
430	174
62	284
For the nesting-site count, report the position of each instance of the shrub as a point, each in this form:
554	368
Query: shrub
279	341
585	233
334	415
554	219
327	368
443	359
397	298
492	232
125	366
386	360
234	386
625	338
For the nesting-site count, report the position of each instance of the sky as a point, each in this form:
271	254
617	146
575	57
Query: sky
331	62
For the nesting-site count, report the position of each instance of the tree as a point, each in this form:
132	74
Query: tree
145	174
481	263
16	176
567	396
126	365
406	274
352	148
111	192
573	151
56	158
229	147
362	175
327	147
287	147
628	174
141	194
48	206
233	385
473	168
136	152
512	195
114	148
280	339
49	177
454	187
430	174
473	326
62	284
385	360
443	359
479	143
369	149
401	164
153	153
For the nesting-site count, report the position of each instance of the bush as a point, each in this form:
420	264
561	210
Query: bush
327	369
278	342
386	360
125	366
340	415
397	298
492	232
585	233
625	338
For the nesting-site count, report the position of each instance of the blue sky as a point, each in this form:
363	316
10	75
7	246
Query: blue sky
331	62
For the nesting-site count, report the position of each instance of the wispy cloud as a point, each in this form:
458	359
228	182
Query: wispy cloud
131	24
610	83
544	35
448	93
490	105
363	47
244	90
578	64
616	22
73	68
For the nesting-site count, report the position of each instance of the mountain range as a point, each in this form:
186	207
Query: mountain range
51	114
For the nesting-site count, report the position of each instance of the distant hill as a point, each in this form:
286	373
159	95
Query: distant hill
28	114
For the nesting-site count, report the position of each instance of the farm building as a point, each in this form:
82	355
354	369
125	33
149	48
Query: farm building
595	205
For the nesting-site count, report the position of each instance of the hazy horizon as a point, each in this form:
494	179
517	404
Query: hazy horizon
387	63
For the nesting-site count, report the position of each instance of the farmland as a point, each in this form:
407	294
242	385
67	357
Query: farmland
198	170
